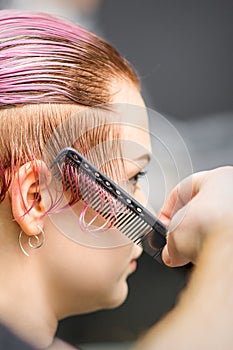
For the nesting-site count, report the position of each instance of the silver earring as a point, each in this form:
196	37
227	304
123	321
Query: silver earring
34	242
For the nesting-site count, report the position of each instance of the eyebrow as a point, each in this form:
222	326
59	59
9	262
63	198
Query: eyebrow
144	157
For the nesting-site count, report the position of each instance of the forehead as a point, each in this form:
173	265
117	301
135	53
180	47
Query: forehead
124	91
135	138
133	113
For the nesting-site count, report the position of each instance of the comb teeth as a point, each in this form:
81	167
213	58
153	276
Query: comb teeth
124	219
110	201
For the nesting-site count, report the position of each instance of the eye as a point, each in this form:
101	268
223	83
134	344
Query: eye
135	178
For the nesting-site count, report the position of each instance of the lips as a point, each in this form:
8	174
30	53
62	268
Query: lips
133	261
133	264
137	256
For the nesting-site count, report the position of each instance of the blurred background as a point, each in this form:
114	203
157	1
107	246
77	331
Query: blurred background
183	53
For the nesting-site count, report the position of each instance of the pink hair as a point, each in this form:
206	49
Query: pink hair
45	59
48	69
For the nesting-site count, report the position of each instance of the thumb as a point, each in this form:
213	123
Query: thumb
181	239
180	196
165	256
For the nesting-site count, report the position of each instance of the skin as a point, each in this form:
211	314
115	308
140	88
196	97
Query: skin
200	221
51	284
199	205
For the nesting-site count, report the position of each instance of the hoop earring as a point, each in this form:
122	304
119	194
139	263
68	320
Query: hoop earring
39	241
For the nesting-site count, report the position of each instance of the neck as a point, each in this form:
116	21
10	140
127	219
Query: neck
24	303
23	306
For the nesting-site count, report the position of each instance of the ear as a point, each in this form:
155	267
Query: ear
27	205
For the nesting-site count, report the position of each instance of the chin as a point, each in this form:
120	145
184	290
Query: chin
117	297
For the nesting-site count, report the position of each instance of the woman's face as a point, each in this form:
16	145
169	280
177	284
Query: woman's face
81	278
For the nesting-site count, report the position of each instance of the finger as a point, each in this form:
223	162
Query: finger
184	238
173	259
174	253
181	195
165	256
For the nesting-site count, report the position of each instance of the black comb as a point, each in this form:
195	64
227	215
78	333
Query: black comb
131	218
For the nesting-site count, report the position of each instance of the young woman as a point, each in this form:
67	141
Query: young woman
51	70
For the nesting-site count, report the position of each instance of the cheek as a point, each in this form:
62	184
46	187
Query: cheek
101	278
106	264
108	277
103	274
97	276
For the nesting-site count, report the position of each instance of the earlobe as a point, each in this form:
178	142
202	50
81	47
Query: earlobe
27	206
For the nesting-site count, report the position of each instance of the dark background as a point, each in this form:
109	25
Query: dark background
182	49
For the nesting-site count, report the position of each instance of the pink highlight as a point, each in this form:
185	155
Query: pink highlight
18	23
44	59
47	61
74	183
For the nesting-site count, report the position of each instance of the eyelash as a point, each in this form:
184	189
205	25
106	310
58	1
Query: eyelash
134	179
